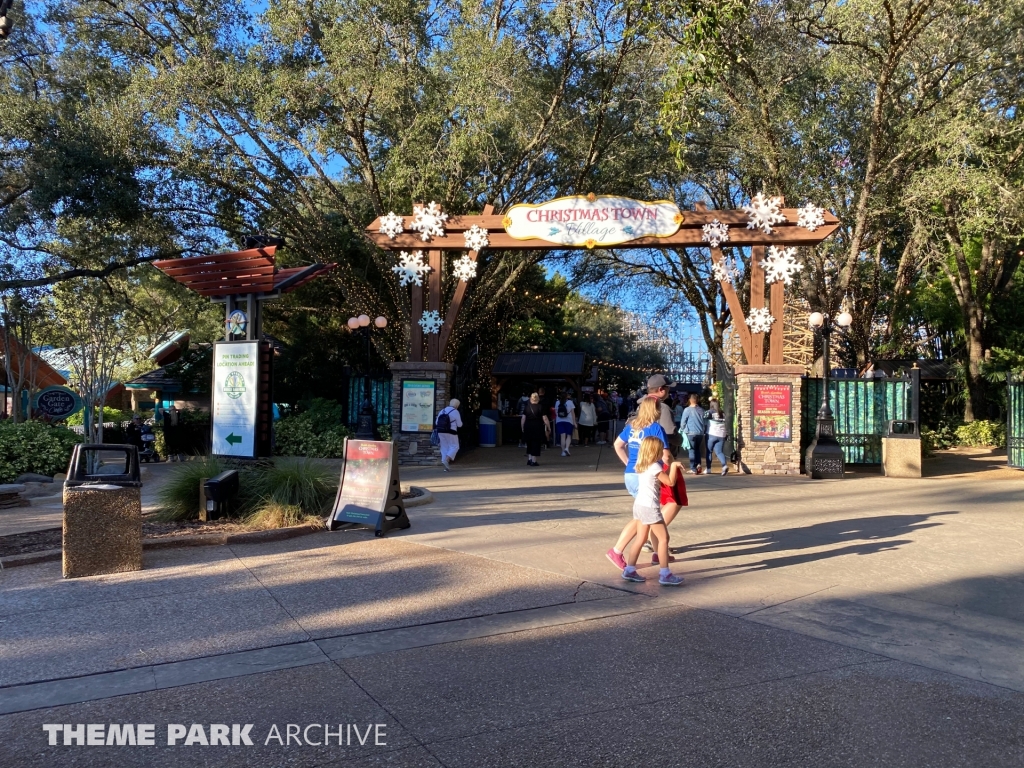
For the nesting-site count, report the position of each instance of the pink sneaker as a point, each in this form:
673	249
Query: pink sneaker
617	560
656	561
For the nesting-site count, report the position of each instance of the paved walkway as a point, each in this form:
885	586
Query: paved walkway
867	621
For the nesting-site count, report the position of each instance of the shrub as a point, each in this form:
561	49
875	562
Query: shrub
34	447
179	496
982	433
298	482
938	439
317	432
109	415
274	515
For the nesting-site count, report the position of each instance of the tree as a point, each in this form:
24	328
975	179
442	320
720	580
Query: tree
22	314
91	328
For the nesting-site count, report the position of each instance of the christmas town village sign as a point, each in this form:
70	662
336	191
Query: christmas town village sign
771	231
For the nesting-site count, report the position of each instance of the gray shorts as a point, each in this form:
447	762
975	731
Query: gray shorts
647	515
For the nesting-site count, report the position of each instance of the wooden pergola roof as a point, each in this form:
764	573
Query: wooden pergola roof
238	272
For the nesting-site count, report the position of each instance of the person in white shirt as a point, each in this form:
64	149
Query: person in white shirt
588	420
565	422
449	437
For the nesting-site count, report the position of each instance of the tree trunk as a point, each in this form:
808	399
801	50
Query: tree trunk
973	325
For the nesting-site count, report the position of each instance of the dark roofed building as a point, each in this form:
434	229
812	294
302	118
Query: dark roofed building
539	364
931	370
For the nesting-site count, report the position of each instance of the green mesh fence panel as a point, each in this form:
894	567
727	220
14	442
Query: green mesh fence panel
862	410
1015	421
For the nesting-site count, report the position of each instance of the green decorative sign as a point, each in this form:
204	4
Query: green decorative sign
57	402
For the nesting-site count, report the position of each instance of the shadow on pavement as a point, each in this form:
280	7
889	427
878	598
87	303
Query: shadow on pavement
862	536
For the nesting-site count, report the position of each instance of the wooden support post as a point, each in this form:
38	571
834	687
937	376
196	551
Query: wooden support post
756	356
453	309
433	339
739	320
775	341
416	331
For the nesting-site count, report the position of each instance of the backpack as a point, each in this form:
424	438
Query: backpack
444	423
562	410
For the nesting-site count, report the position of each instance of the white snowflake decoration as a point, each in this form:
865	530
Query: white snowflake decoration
763	212
391	225
476	238
429	221
781	264
431	321
810	217
726	270
464	269
716	232
410	268
760	320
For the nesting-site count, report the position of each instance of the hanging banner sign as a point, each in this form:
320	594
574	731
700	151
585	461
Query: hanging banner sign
235	380
57	402
592	220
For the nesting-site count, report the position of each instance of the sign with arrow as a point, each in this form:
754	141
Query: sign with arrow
235	397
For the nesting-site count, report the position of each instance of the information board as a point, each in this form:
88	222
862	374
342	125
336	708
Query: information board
772	417
235	383
369	493
418	405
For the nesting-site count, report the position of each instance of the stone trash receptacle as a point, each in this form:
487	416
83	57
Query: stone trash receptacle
102	511
901	450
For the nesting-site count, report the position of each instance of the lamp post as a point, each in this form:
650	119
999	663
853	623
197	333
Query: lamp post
824	458
366	429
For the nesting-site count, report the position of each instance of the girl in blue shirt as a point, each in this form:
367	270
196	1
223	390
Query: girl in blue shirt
627	445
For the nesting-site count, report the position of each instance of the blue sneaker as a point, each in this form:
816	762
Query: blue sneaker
634	576
670	581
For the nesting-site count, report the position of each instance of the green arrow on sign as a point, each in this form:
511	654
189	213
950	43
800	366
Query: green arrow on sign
233	438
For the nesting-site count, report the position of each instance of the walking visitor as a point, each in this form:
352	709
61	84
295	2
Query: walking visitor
447	424
536	427
647	510
627	444
692	425
565	422
588	420
717	433
603	418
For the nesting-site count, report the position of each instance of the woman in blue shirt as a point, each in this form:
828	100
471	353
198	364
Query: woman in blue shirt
693	426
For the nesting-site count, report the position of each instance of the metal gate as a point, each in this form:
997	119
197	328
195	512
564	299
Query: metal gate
862	409
1015	420
380	398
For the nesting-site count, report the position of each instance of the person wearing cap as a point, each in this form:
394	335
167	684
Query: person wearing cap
658	386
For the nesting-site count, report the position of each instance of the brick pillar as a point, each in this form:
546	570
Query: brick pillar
762	457
414	448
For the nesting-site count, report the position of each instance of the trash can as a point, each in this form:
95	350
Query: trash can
488	432
102	511
901	450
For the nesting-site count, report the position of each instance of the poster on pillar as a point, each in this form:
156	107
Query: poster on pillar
772	417
234	406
